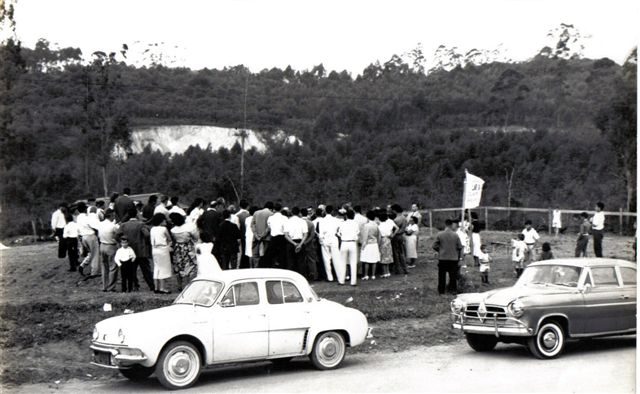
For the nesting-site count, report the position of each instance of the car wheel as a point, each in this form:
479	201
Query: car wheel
179	365
329	350
137	372
548	343
481	343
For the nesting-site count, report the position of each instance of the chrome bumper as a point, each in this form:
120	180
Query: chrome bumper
116	357
492	325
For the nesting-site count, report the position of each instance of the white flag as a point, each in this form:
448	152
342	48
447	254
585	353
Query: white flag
472	191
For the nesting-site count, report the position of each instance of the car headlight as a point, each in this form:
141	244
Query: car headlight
121	335
516	308
457	305
95	334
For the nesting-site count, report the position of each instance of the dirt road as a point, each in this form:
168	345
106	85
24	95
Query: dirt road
599	366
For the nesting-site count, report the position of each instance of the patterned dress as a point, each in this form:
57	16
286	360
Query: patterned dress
184	255
386	229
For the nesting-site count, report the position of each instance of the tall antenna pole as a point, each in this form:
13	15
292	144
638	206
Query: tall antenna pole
243	136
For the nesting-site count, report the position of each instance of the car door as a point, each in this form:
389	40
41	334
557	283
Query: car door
604	305
289	317
629	296
240	327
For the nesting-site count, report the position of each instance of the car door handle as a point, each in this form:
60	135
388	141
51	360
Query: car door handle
624	297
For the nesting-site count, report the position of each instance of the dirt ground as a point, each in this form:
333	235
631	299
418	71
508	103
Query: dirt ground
47	314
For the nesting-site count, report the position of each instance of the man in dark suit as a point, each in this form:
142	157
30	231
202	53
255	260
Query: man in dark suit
448	246
209	222
137	233
123	205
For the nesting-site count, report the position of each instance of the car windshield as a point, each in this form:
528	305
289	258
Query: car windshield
556	275
200	292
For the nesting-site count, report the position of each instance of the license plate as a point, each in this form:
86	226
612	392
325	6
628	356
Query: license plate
102	358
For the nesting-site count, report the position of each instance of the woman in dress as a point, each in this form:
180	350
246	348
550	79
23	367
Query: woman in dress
411	241
387	228
370	241
195	210
160	251
207	264
184	236
248	239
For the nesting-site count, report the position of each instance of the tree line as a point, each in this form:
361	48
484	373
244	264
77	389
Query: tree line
564	128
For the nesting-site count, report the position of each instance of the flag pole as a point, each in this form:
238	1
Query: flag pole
464	196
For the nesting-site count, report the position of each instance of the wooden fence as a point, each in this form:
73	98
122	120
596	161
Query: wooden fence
547	215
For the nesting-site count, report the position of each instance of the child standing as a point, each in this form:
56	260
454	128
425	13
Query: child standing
583	236
518	254
124	259
546	252
485	259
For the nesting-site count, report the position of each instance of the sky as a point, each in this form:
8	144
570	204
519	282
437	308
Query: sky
339	34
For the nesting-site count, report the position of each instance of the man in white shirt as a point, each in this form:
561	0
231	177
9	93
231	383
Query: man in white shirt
57	225
597	229
349	233
276	253
87	227
107	231
295	232
162	207
175	208
328	229
530	238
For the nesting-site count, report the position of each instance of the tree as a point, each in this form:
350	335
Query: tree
618	122
107	124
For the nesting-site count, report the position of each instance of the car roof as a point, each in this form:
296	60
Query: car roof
586	262
254	273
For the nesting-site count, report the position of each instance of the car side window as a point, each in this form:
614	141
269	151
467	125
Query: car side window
242	294
604	276
628	276
274	292
282	292
291	293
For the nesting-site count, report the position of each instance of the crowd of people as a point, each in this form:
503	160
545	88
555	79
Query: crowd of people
162	240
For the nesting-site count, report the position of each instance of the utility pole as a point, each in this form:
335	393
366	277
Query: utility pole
243	136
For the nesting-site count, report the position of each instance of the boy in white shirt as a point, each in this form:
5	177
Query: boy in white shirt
485	259
124	258
518	254
530	238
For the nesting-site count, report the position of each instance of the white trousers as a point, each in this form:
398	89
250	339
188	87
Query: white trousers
349	256
331	253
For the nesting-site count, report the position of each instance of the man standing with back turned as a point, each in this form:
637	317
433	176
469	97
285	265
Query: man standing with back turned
448	246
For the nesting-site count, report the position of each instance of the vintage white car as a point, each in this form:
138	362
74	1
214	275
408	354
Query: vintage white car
240	315
554	300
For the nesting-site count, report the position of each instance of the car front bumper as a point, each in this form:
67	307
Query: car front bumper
491	325
116	356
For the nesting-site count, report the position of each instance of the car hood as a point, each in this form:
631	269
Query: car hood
506	295
144	323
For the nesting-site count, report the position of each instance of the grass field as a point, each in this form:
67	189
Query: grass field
47	314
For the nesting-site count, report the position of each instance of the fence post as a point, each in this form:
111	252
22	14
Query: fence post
621	221
486	219
430	224
550	219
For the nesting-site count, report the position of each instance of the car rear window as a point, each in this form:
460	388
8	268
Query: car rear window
604	276
629	277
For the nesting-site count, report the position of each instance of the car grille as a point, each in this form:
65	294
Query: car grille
304	340
102	358
498	311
